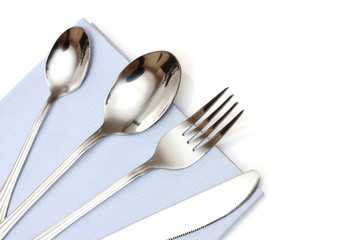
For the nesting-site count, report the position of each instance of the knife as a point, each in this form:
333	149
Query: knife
195	213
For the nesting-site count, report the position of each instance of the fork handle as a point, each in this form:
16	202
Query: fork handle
63	224
8	188
16	215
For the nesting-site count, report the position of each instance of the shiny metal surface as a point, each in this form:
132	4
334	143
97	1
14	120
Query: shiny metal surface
68	61
66	67
139	97
176	150
194	213
142	93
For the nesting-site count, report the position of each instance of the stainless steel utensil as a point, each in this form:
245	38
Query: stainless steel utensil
141	94
66	67
176	150
194	213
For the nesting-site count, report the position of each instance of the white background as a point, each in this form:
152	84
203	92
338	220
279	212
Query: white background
294	66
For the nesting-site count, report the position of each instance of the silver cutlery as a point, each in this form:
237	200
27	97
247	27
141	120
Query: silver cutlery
141	94
194	213
176	150
66	67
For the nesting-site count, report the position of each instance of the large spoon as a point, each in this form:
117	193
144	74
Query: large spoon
141	94
66	67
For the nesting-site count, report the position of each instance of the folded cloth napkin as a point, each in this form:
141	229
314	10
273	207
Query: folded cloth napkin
71	120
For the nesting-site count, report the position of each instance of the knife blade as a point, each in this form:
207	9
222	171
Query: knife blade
194	213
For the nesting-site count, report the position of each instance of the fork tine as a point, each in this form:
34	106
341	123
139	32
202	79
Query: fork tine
199	127
201	138
196	116
208	145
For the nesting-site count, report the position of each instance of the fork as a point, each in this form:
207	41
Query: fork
177	149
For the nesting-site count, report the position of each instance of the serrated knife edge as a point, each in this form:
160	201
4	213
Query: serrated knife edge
194	213
218	219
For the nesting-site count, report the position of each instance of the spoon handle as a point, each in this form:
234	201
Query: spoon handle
63	224
15	216
8	188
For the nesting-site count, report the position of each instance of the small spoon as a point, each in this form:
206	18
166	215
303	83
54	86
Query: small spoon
66	67
141	94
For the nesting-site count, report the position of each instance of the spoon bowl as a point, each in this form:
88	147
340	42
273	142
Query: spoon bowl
68	62
142	93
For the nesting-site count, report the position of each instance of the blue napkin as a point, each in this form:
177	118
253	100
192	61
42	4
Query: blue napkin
71	120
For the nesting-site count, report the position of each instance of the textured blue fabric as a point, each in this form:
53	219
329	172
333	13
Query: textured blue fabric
71	120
